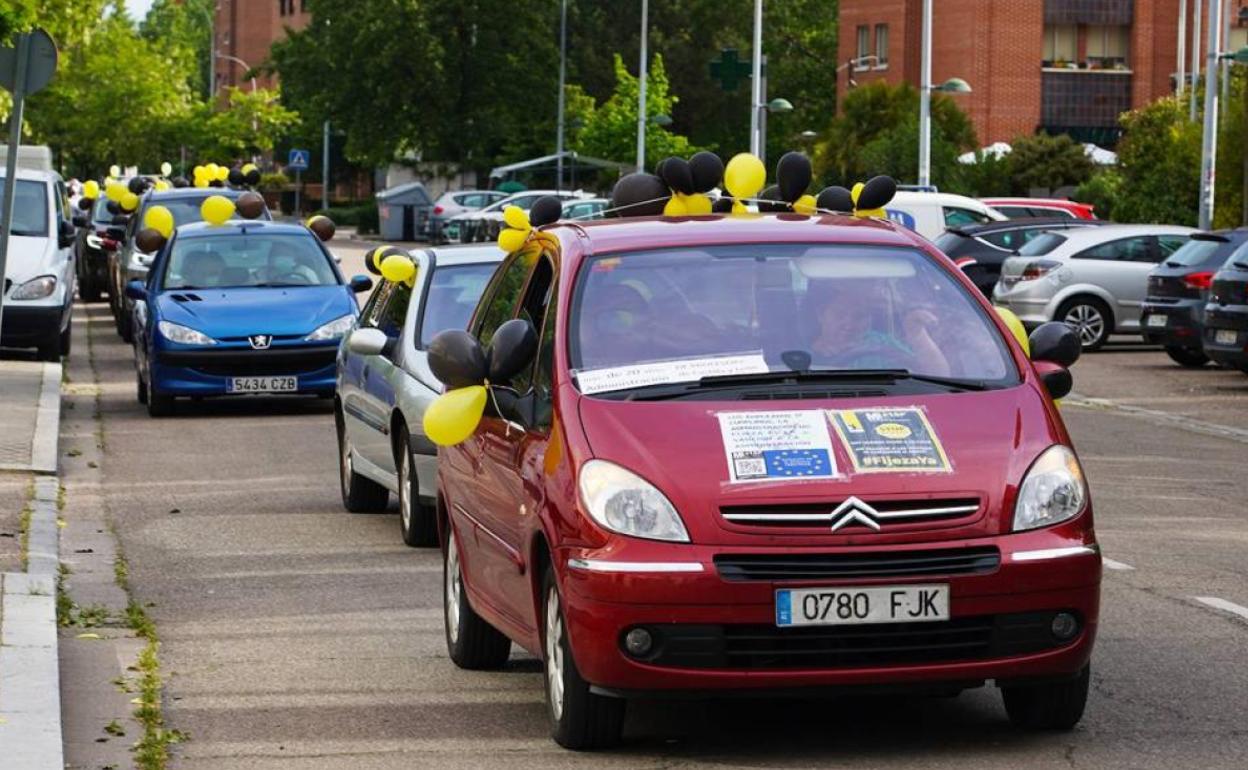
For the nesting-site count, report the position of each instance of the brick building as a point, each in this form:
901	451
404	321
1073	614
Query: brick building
1063	66
246	29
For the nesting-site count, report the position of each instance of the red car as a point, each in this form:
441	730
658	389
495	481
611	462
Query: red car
1021	208
765	453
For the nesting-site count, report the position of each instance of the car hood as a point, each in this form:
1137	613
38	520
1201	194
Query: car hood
990	438
289	311
29	257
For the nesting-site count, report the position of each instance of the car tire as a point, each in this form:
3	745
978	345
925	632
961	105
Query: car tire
1048	706
418	523
471	642
1192	359
124	320
579	719
359	494
159	404
1090	318
140	388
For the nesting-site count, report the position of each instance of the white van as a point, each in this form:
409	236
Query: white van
930	213
39	272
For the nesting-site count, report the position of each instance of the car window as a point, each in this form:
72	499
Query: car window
1014	212
1137	249
1171	243
452	295
1196	252
543	373
100	214
955	216
1011	239
533	308
30	208
242	260
372	308
185	211
948	242
391	316
471	200
503	295
1053	212
1042	244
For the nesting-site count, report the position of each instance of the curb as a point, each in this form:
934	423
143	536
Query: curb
47	422
30	692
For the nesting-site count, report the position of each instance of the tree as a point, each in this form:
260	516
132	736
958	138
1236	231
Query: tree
184	29
249	124
1047	162
1159	164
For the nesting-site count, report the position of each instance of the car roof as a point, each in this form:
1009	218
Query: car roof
910	197
1062	202
192	192
1081	235
1025	224
452	256
34	175
240	227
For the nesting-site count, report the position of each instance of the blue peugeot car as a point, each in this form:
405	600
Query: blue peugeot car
248	307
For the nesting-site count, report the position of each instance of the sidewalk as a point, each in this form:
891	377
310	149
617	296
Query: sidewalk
30	408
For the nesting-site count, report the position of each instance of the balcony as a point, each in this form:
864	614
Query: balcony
1108	12
1083	98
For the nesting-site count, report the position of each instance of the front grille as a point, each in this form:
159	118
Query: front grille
873	564
767	647
886	513
251	363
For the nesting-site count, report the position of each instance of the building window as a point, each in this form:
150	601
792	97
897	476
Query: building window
281	7
864	49
1061	45
881	46
1107	47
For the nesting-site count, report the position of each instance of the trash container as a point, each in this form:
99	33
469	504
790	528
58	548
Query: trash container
401	211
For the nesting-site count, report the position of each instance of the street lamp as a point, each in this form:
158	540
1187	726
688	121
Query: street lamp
641	90
1209	142
777	105
662	120
950	86
246	67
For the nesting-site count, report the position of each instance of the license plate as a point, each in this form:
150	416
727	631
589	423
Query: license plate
856	606
1226	336
1157	320
263	384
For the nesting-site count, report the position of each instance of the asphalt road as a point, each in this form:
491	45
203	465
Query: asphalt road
296	635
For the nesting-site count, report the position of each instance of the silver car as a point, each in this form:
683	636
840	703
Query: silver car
384	385
451	204
1094	279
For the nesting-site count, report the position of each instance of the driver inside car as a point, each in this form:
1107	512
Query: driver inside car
288	264
847	337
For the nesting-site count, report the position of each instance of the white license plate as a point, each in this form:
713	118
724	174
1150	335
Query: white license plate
1157	320
1226	336
855	606
263	384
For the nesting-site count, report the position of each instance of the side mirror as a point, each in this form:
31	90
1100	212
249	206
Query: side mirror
512	349
369	342
456	359
135	290
65	234
1056	378
360	283
1055	342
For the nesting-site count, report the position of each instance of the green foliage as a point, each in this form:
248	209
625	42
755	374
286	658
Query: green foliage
609	130
184	28
1228	208
987	176
1102	190
1049	162
362	216
1159	163
249	124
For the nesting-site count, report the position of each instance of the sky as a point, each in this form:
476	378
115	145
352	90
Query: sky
138	8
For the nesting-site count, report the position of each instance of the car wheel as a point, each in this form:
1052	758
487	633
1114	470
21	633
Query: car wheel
579	718
140	387
1187	357
1090	319
471	643
1049	706
159	404
359	495
417	522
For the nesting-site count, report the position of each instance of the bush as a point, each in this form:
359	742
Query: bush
1048	163
1102	190
362	216
273	182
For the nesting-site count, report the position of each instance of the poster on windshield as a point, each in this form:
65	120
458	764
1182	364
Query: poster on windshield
777	446
889	440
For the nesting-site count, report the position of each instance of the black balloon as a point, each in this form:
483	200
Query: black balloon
640	195
793	175
659	169
180	181
1055	341
137	185
511	349
676	174
835	198
877	192
216	183
252	177
113	207
722	205
374	258
545	210
149	240
456	359
86	203
323	226
707	170
237	177
770	202
250	205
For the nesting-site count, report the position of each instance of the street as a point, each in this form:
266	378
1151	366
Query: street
297	635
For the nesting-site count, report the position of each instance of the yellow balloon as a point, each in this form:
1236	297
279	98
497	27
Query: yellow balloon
91	189
211	170
223	173
745	175
740	208
116	191
108	180
114	170
675	206
697	204
1016	328
162	185
511	239
248	168
516	217
201	181
217	209
166	168
159	219
398	268
854	193
805	205
867	213
454	415
129	201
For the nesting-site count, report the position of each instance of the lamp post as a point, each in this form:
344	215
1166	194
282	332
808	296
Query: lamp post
950	86
1209	142
777	106
1191	97
563	70
756	82
246	67
641	90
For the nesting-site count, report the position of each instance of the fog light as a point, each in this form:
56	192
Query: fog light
1064	626
638	642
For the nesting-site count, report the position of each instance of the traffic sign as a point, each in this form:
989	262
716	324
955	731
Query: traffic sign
298	160
40	54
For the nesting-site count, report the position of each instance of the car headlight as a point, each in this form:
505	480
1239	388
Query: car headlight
332	330
35	288
1052	491
183	334
624	502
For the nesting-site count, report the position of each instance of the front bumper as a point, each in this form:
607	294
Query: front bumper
1182	329
31	325
1227	318
207	372
719	634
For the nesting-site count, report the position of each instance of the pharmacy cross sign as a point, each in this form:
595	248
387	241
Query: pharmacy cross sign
729	70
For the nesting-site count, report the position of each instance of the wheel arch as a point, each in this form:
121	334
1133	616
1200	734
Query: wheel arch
1083	290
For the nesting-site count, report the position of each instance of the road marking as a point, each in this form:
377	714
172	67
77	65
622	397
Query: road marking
1224	605
1157	416
1118	565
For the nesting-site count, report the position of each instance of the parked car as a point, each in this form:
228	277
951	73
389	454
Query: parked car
384	385
1093	278
585	210
980	249
129	263
930	213
39	271
248	307
1178	290
690	481
92	243
450	204
1226	314
484	225
1023	208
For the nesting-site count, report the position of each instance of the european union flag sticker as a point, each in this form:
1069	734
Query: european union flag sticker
796	463
784	608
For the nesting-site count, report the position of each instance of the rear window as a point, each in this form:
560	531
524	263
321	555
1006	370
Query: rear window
955	216
1042	245
186	211
950	241
453	295
1197	252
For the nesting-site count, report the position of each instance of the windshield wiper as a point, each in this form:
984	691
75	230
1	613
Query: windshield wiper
664	391
270	285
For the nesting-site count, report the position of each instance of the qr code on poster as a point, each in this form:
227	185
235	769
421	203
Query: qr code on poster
749	465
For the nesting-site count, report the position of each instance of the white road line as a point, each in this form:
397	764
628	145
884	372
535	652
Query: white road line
1118	565
1224	605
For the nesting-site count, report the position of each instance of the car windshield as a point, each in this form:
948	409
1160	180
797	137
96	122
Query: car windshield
1041	245
100	214
30	208
1196	252
452	296
949	240
233	259
680	314
186	211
